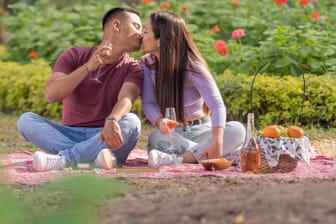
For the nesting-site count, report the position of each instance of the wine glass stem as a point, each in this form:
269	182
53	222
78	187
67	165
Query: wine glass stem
98	72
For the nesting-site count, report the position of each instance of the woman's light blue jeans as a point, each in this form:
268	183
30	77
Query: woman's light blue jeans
77	144
195	138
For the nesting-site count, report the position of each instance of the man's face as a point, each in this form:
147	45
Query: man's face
130	38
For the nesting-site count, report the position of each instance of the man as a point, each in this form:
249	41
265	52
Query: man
95	117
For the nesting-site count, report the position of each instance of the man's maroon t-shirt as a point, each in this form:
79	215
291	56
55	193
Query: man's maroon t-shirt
92	102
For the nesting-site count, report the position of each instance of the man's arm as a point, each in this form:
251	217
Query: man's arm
111	132
60	85
128	93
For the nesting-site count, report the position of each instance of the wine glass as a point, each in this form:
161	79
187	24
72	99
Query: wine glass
171	116
107	47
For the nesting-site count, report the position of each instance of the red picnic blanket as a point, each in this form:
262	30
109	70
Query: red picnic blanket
17	169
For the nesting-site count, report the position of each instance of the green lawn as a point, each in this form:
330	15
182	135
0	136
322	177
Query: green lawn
11	141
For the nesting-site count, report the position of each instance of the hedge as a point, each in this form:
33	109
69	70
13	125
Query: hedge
276	100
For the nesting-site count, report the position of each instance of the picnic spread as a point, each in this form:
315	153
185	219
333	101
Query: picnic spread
18	168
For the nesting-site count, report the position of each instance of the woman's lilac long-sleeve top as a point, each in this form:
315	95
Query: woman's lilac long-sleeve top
199	87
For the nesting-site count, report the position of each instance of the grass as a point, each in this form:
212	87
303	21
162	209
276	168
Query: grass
12	141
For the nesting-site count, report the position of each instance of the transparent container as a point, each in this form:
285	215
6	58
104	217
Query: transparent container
250	154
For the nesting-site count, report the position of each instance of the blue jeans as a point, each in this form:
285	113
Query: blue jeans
195	139
76	144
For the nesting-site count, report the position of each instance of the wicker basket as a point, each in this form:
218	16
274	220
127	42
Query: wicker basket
286	164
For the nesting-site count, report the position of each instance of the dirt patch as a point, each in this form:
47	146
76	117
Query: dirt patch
213	200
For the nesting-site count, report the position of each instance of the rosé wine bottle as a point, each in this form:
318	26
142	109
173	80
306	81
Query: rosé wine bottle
250	153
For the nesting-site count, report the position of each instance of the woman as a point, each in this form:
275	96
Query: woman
176	75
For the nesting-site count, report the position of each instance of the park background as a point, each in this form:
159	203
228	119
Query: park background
283	40
290	39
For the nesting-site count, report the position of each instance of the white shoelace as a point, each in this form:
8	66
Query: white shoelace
167	160
55	162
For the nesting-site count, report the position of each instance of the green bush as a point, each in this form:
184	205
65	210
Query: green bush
277	100
4	54
49	30
272	31
22	88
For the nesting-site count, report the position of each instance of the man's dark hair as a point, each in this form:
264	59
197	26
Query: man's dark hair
112	13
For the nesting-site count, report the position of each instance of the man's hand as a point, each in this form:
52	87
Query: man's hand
111	134
99	58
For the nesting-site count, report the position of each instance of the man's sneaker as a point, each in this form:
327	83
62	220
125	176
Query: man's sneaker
157	158
105	159
44	162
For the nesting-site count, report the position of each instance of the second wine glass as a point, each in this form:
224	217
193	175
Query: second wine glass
107	47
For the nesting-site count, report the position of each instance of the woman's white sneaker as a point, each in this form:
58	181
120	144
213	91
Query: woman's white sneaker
157	158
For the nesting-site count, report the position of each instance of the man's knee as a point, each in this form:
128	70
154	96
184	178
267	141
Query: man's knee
132	121
25	121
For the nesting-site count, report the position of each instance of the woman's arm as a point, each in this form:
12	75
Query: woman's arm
148	97
208	89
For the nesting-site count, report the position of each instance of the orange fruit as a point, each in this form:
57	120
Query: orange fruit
271	131
295	132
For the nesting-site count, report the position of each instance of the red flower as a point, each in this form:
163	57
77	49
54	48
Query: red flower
315	15
235	3
281	2
185	9
215	29
147	1
304	2
34	54
165	5
221	47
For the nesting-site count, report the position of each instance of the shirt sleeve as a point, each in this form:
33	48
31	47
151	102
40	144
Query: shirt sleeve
135	74
65	62
148	97
208	89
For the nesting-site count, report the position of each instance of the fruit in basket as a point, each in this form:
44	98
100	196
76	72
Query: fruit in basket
271	131
295	132
216	164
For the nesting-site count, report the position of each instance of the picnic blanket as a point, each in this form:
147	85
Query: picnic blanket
18	169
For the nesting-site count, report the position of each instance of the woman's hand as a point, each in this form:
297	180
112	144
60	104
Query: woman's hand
212	151
111	134
166	126
215	148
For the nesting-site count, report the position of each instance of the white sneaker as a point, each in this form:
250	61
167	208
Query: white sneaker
105	159
44	162
157	158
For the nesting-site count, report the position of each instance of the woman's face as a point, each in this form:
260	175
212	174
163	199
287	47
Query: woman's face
150	44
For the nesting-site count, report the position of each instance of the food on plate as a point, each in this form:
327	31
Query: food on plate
216	164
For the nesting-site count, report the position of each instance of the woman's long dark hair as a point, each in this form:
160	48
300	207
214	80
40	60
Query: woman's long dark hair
177	51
